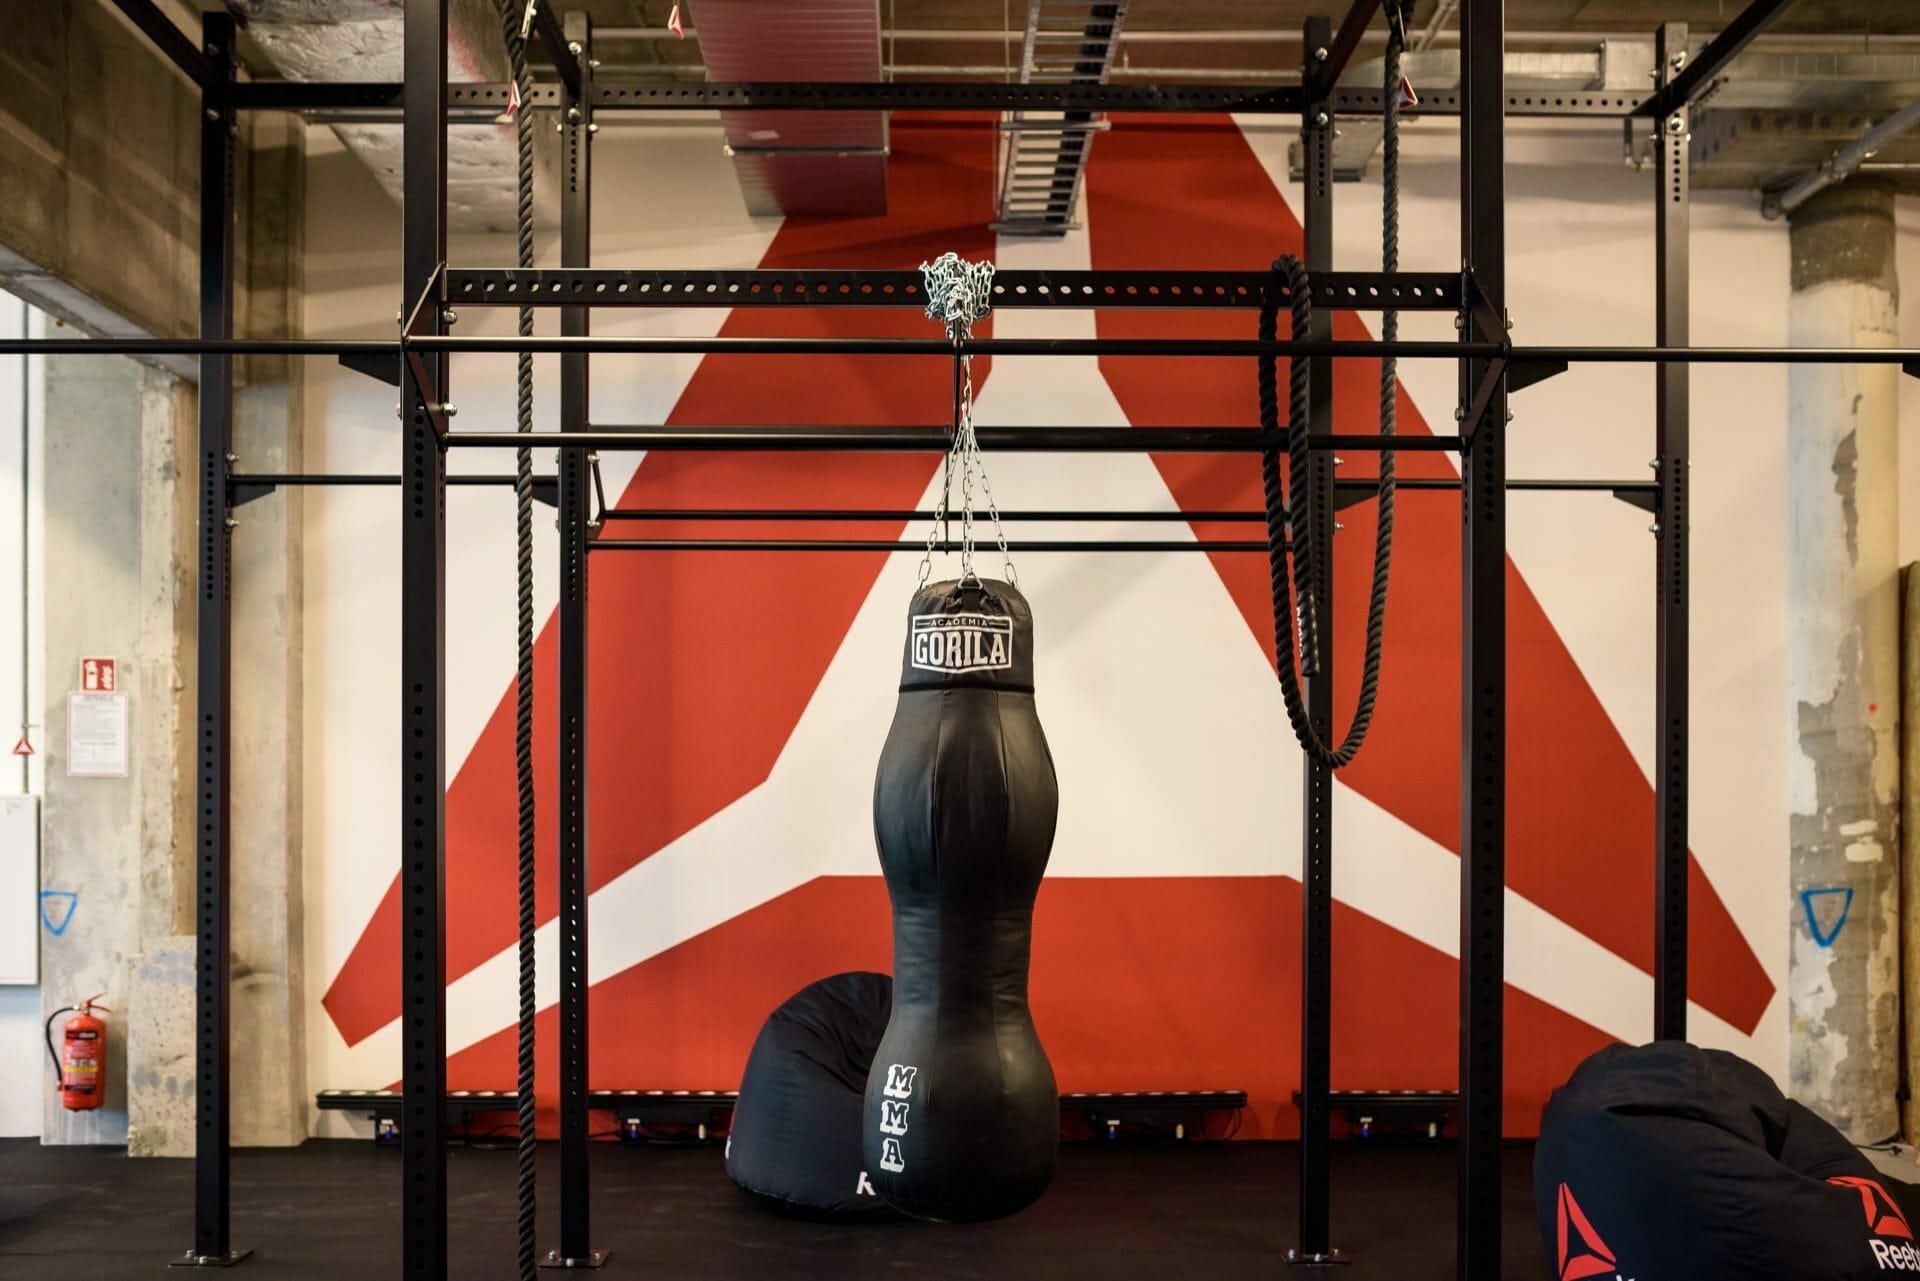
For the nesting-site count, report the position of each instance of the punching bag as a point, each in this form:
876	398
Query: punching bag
794	1145
962	1117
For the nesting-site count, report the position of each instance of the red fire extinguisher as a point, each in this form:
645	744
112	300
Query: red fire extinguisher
81	1064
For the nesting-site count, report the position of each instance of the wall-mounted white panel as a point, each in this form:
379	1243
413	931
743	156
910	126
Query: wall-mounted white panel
19	889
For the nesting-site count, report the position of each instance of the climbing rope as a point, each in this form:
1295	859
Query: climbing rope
526	1149
1295	622
959	294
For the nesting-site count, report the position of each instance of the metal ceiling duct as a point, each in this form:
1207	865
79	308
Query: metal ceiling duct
800	162
323	40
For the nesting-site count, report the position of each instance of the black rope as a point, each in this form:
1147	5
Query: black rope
1294	599
527	1140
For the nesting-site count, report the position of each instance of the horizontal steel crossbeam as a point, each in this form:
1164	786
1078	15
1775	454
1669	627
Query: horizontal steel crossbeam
1061	440
1353	290
1083	97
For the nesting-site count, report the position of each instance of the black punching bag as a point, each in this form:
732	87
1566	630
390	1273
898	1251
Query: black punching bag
962	1116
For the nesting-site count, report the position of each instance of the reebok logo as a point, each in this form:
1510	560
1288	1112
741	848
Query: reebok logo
1582	1253
956	643
1884	1219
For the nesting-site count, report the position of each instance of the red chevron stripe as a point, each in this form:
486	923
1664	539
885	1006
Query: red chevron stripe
1138	983
1579	811
745	637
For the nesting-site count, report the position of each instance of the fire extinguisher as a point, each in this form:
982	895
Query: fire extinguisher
81	1064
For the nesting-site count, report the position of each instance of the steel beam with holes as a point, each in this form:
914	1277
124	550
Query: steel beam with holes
423	630
1671	461
1072	97
1680	85
576	513
212	1246
1048	440
1314	597
1483	644
1208	290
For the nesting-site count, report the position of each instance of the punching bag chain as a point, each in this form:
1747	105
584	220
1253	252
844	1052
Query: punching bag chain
1293	582
959	293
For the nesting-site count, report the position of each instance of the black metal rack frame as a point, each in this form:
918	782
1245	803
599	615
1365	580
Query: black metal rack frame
1490	366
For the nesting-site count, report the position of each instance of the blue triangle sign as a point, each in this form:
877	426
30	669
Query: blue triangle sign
1826	912
60	903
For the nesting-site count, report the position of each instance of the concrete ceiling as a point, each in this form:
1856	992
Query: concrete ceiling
1812	102
1824	18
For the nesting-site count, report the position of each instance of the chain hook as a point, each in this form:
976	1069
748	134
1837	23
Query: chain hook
959	293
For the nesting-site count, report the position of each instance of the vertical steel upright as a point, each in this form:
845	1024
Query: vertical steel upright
218	122
1316	802
423	625
1483	638
1670	548
576	496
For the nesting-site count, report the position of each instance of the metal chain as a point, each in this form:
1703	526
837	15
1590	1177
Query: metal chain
960	293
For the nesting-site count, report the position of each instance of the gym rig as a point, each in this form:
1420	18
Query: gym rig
1490	365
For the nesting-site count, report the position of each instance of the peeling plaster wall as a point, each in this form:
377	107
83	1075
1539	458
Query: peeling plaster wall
1844	667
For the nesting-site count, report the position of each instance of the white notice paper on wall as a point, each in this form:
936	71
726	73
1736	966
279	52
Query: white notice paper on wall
19	889
96	735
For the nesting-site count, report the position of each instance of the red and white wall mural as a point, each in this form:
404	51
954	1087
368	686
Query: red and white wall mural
739	699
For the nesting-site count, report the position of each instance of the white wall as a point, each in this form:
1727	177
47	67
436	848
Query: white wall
23	1067
1580	235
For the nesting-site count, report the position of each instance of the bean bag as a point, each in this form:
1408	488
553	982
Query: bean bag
795	1143
1667	1162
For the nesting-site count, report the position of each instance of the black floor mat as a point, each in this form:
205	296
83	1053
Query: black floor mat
331	1209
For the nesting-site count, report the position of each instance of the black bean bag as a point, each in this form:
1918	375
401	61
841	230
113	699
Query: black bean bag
795	1142
1667	1162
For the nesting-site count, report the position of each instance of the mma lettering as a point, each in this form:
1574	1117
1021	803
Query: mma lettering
863	1187
962	643
899	1081
893	1116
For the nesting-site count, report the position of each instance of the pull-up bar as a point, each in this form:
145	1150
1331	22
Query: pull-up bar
1242	348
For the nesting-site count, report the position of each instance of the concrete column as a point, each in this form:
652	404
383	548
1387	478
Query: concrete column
159	1008
114	546
270	1096
1843	667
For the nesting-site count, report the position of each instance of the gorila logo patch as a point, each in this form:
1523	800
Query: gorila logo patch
962	643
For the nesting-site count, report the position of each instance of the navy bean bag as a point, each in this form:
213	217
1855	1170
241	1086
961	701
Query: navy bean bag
795	1143
1667	1162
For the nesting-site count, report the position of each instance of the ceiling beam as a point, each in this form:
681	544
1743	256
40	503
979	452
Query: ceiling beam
166	37
1712	60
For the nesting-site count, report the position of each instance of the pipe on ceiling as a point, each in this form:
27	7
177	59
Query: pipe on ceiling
1843	162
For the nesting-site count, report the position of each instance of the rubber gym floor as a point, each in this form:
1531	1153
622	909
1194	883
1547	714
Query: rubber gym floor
331	1209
